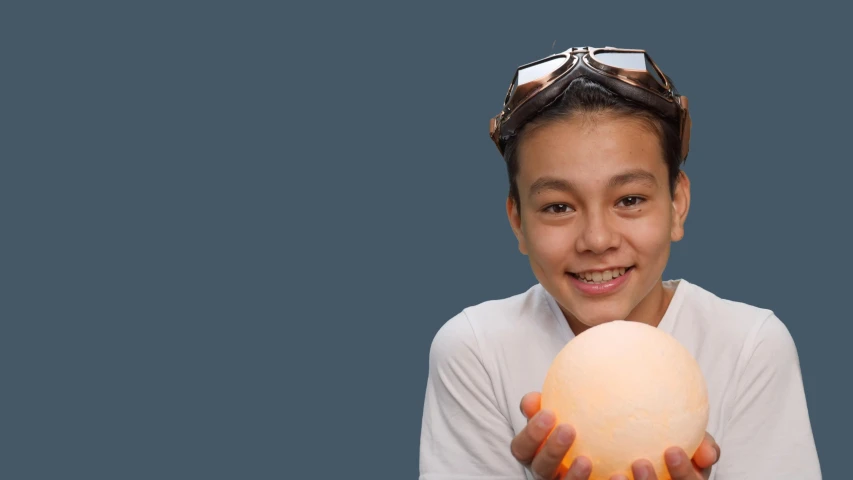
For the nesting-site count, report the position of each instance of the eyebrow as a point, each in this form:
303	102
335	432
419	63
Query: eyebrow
633	176
626	178
551	183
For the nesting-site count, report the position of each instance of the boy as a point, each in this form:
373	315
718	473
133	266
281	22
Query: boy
594	140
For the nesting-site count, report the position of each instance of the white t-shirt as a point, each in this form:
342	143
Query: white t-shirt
483	360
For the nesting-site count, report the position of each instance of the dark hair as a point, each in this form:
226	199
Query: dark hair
587	96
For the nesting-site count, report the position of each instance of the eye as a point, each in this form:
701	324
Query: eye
558	208
631	201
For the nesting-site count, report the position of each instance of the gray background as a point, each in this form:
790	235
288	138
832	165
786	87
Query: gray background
230	232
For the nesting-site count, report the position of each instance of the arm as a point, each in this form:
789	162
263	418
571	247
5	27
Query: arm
769	434
464	435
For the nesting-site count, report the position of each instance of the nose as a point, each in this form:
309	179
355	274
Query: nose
597	234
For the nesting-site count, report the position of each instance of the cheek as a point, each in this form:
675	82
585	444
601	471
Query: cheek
548	245
652	235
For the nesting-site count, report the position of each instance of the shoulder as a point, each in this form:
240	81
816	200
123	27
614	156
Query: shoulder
747	328
704	303
773	345
720	317
479	328
512	313
454	339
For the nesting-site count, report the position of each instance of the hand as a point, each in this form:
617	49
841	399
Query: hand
544	459
680	467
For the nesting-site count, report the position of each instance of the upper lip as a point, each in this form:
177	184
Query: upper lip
601	269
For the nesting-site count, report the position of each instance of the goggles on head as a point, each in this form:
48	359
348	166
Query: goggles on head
630	73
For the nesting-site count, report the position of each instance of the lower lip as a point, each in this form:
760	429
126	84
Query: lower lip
602	288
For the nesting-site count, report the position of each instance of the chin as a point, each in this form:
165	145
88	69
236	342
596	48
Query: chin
593	311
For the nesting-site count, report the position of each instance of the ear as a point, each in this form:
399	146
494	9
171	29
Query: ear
515	223
680	207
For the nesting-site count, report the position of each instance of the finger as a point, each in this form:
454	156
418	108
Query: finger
708	452
530	404
580	469
643	470
714	444
710	439
525	444
680	467
619	476
547	461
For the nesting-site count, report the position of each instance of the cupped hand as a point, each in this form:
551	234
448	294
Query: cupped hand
680	467
541	447
543	459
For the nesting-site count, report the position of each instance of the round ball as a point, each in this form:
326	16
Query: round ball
631	391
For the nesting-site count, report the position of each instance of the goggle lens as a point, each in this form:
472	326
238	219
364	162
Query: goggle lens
630	60
539	70
536	71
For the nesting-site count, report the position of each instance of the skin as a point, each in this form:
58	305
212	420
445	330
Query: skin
595	225
594	193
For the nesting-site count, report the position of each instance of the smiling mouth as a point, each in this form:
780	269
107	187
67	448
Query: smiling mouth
601	276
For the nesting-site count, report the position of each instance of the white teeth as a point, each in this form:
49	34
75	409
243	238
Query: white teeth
598	277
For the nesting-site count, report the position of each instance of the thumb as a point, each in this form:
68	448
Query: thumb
530	404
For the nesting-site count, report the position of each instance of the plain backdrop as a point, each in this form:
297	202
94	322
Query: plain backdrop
230	230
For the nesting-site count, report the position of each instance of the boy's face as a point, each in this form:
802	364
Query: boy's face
595	197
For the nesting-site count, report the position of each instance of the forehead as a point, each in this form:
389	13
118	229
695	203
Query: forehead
589	149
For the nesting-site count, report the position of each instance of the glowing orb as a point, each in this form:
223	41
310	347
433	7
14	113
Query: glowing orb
631	391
